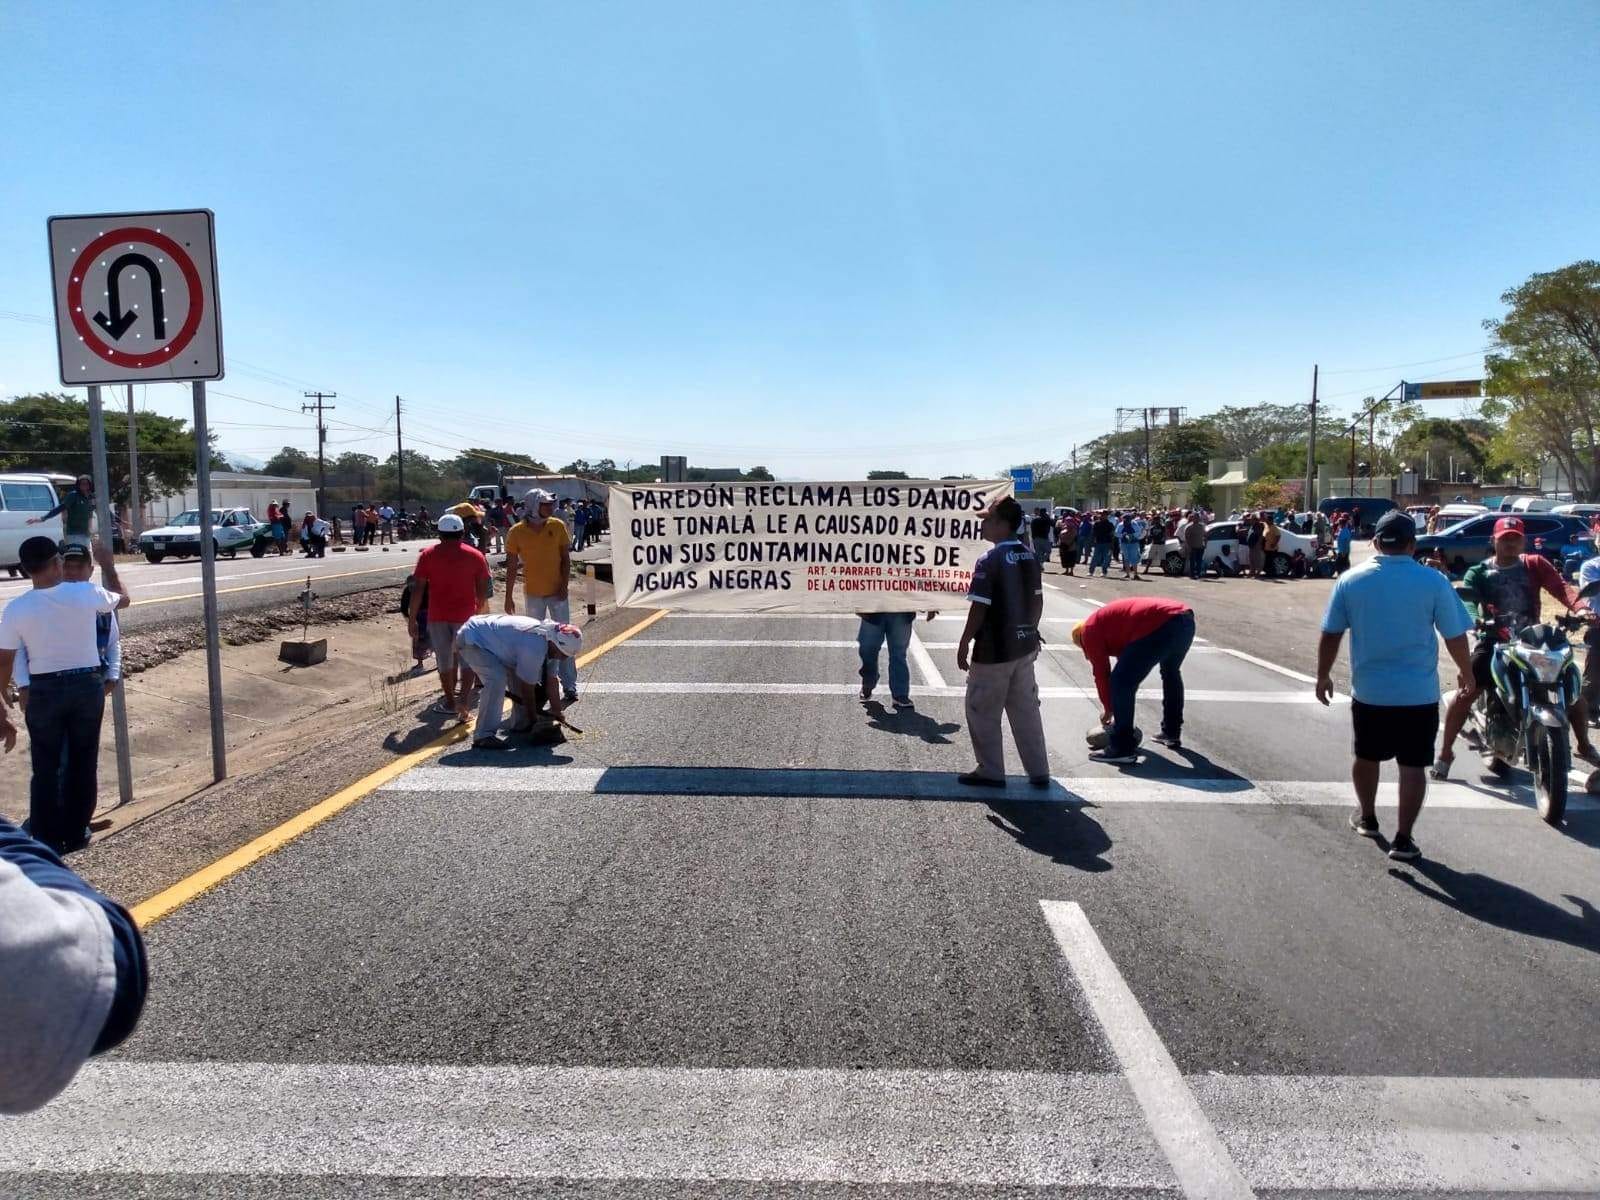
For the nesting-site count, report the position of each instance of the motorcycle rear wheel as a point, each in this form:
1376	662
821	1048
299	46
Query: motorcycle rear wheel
1550	760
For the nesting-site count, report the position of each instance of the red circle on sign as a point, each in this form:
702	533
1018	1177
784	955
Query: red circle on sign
191	276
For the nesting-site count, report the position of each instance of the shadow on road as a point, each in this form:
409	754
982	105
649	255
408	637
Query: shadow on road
1063	834
1505	905
908	722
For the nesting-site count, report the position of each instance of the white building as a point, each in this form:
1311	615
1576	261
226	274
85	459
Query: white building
235	489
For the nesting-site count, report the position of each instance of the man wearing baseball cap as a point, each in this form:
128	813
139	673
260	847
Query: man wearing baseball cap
1392	606
518	652
539	547
451	582
1510	581
56	623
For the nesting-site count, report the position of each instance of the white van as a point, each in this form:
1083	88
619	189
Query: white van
1532	504
21	497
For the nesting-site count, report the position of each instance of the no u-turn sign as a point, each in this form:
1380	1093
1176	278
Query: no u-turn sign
136	297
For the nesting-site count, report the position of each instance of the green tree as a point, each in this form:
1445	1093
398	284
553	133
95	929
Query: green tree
887	475
1180	451
50	432
1244	431
292	463
759	474
1544	373
1267	492
1201	493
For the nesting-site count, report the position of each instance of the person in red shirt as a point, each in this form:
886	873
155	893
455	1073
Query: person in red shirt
452	579
1141	633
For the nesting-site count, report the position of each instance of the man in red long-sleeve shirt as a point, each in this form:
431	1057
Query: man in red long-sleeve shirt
1141	633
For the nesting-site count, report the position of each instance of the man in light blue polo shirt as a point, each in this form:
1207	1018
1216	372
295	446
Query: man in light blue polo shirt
1393	605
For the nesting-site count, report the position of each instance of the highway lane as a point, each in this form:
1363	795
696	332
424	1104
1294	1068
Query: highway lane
747	937
170	590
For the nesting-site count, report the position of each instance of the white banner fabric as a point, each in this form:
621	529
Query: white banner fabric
880	546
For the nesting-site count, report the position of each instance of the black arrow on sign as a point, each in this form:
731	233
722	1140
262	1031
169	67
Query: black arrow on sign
117	324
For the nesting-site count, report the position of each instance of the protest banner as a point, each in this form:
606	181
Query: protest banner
890	546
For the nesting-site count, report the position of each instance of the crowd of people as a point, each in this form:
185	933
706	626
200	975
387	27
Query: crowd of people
1179	542
486	656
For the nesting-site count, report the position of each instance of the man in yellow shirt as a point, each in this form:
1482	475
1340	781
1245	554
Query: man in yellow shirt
538	546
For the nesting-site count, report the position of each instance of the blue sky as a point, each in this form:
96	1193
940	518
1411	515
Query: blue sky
821	236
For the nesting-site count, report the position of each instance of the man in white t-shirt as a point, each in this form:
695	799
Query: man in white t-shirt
56	624
518	652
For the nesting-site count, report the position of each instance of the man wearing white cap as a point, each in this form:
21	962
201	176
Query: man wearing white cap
514	651
539	547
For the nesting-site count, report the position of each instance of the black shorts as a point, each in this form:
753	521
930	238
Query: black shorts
1482	655
1403	732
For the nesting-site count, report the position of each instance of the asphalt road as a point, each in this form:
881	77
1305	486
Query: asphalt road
747	937
170	590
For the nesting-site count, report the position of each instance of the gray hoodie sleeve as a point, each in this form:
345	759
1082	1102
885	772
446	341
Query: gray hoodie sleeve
58	978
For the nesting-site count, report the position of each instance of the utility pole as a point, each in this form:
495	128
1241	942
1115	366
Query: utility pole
1372	445
322	437
1311	447
1149	478
399	456
1074	496
136	515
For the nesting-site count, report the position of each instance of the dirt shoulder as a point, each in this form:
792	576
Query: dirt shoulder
294	735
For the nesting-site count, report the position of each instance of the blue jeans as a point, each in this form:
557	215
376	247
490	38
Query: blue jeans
63	720
1197	563
1165	648
1100	557
548	608
876	629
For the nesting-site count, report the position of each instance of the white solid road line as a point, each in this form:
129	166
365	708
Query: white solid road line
1261	662
1194	1150
821	784
996	1128
742	688
919	655
732	643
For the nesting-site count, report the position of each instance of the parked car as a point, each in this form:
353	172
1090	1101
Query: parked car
23	496
232	529
1471	541
1372	507
1225	533
1587	511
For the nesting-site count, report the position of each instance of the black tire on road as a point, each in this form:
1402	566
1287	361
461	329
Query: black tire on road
1550	760
1278	564
258	550
1172	564
152	556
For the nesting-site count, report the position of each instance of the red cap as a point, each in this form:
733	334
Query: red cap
1507	525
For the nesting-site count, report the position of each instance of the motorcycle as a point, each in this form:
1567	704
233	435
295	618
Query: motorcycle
1524	714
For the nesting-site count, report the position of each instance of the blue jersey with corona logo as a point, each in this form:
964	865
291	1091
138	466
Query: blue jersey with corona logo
1005	581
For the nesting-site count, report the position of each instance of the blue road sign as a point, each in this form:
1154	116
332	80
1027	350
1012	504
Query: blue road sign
1022	478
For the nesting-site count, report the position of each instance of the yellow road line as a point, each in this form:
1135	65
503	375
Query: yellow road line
256	587
162	903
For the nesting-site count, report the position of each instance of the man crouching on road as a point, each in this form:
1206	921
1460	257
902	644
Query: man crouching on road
1141	633
1002	633
1392	604
503	650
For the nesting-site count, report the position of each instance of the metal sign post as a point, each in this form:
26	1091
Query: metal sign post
208	582
135	300
102	503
